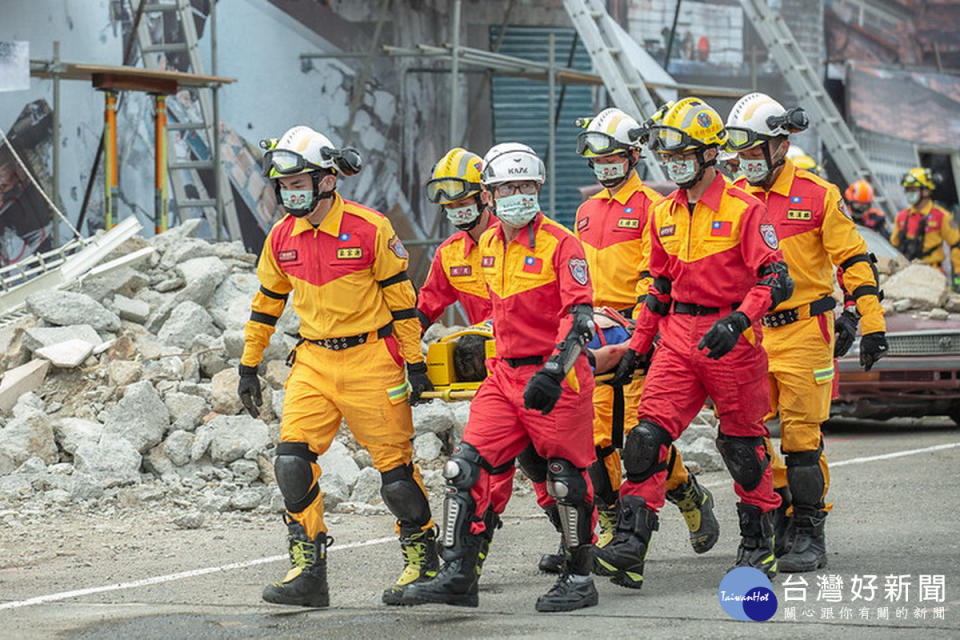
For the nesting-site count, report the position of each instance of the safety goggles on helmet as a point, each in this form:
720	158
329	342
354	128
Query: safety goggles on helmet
669	139
450	189
599	143
286	162
741	139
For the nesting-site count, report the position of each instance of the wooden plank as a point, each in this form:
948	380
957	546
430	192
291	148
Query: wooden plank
78	71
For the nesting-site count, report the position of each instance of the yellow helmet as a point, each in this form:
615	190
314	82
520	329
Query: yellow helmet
689	124
455	177
919	177
808	163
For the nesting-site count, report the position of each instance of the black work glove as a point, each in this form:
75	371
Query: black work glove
542	392
873	346
845	330
628	365
249	390
418	380
724	334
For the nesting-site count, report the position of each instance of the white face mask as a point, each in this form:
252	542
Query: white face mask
756	171
462	215
609	173
518	209
913	197
297	202
681	171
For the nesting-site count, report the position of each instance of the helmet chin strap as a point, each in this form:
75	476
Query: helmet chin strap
613	183
473	223
699	174
767	182
317	196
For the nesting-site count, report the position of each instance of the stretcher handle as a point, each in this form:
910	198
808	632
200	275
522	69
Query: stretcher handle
449	395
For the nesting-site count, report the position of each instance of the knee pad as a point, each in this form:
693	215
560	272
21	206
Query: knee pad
533	465
295	475
740	455
641	451
403	496
565	483
462	472
805	478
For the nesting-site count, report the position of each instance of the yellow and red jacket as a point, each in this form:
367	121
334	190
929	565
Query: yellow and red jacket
616	242
710	256
348	277
455	276
937	226
815	234
533	281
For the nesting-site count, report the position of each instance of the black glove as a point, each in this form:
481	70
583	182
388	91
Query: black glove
845	329
873	346
629	363
724	334
249	390
542	392
418	380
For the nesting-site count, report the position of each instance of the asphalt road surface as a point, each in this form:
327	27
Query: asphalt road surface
894	485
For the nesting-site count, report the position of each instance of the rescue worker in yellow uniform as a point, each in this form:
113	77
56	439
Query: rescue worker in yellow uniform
816	234
616	240
359	333
921	229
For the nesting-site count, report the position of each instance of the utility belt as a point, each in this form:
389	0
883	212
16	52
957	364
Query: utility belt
691	309
339	344
789	316
521	362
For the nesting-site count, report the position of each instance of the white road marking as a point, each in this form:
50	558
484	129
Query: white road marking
170	577
63	595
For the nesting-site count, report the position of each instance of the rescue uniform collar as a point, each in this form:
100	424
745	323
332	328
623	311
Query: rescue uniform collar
711	197
785	180
330	223
924	211
630	187
526	234
468	242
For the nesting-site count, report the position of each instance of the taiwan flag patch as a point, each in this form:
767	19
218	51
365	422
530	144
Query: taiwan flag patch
796	199
721	228
532	265
344	237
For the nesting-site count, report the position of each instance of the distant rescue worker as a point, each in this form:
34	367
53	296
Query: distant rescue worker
921	229
359	330
455	274
612	225
538	391
803	160
859	197
716	270
801	336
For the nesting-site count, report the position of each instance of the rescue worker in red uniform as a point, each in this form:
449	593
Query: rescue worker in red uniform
612	225
859	197
455	274
716	270
346	269
799	334
921	229
538	391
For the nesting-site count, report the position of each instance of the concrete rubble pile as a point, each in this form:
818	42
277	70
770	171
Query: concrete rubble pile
122	391
916	288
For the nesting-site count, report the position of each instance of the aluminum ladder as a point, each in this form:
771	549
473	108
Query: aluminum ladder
189	191
805	83
620	78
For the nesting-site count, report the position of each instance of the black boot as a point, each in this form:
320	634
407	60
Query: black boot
623	558
696	505
420	561
574	589
808	552
782	529
756	539
491	523
553	562
306	583
456	583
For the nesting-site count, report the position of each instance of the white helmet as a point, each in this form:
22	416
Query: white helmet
756	118
303	150
607	133
512	161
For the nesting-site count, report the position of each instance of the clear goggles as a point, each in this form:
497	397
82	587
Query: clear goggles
440	190
740	139
669	139
286	162
599	143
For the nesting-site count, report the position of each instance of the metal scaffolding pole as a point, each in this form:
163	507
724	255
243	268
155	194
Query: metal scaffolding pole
56	141
215	142
552	128
454	72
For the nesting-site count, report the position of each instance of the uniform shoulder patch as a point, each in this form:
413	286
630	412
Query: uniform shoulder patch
842	207
582	223
578	270
397	248
287	255
769	235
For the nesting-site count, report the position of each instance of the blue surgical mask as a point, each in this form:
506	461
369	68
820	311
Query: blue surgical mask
681	171
518	209
756	171
296	201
